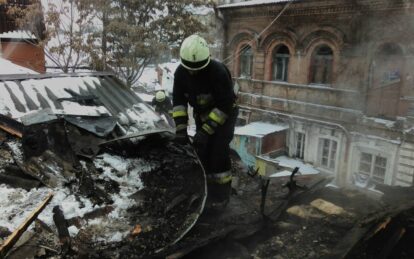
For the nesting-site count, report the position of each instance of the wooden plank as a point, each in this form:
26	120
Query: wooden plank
11	126
11	131
14	237
62	227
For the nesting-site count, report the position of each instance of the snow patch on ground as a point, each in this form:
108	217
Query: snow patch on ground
149	79
9	68
17	204
127	174
69	204
16	149
73	231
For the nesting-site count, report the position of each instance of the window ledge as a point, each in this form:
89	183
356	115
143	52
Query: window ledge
308	86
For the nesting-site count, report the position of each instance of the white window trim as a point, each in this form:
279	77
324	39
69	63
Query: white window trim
375	152
373	165
319	154
295	133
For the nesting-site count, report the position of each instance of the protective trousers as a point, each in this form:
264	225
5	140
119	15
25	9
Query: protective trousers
216	160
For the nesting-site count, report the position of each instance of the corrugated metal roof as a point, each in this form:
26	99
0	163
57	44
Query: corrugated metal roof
260	129
21	95
254	2
24	35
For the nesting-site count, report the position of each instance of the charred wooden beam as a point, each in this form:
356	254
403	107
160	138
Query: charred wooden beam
62	227
19	182
14	237
11	126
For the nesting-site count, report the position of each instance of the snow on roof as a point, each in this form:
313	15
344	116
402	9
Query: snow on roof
200	10
8	68
259	129
145	97
26	35
255	2
290	163
41	92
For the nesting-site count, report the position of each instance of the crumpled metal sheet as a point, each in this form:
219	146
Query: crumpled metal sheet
100	126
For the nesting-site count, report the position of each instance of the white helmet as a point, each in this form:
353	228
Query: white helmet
160	96
194	53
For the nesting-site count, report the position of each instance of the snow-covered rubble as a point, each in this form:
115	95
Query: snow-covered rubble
103	184
16	204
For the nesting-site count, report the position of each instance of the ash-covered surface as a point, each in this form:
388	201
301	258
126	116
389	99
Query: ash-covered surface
170	202
131	200
305	231
309	223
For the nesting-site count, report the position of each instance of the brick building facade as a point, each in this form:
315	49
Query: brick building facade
339	72
20	47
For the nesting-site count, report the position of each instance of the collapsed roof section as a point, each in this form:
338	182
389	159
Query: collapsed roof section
80	99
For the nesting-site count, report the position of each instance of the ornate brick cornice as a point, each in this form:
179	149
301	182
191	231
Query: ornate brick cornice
304	10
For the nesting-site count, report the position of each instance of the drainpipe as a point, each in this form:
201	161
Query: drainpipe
223	21
340	181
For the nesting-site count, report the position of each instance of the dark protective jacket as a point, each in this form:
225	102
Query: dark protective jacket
162	107
209	91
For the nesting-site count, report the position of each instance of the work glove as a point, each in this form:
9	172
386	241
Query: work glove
200	140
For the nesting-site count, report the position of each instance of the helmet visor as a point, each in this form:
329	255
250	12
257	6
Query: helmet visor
195	65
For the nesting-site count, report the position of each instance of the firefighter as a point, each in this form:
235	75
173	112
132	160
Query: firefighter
207	86
162	103
163	106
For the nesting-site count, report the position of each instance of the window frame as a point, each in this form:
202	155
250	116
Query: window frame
331	158
327	62
243	49
373	166
285	59
300	141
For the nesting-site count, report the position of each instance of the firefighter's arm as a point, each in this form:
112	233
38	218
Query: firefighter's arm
180	102
224	102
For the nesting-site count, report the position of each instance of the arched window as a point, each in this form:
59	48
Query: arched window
280	62
321	65
246	61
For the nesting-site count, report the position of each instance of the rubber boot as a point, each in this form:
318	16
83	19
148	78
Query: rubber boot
218	196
